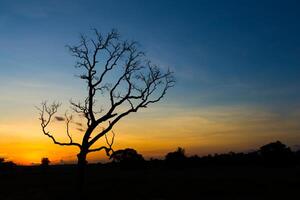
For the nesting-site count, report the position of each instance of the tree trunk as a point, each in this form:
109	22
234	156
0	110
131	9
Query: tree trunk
81	173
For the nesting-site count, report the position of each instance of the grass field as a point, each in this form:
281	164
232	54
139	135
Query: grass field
160	183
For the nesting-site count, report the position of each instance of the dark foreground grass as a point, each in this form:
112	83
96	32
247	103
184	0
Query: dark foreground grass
160	183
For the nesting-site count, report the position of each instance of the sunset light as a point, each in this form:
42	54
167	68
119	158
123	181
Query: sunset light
93	93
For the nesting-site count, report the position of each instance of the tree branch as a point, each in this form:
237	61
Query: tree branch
45	121
107	149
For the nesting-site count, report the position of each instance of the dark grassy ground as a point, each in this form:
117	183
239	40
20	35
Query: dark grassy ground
160	183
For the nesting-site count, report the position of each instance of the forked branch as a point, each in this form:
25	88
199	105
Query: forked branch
107	148
46	114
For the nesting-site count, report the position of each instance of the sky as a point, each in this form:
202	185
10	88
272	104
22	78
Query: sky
236	65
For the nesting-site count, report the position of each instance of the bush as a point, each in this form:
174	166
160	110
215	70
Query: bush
45	162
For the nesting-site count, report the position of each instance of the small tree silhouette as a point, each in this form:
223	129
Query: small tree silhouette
45	162
176	156
126	155
128	158
6	164
276	153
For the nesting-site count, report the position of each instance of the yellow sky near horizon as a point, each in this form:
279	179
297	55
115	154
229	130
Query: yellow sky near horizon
156	131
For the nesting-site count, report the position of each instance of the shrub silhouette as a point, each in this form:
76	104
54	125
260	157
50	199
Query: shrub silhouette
178	155
276	153
6	164
45	162
128	158
176	159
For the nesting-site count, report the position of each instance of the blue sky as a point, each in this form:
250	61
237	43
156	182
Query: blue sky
224	53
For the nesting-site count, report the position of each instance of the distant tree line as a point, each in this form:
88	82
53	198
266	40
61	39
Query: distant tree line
274	154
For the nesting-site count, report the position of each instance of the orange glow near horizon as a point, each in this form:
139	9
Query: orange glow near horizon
154	134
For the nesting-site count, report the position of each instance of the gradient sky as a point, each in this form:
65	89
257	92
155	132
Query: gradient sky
236	63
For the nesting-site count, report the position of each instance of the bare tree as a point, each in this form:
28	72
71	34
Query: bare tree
116	72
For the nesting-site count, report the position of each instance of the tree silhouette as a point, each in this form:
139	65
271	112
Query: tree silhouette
6	164
179	154
276	153
45	162
126	155
125	80
128	158
176	158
